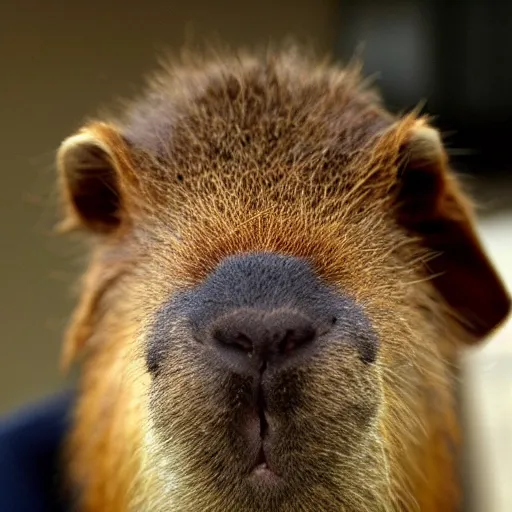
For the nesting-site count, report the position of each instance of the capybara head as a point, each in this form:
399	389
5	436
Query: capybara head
281	276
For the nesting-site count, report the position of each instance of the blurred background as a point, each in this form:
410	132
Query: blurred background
61	61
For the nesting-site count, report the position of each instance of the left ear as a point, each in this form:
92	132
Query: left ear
432	205
95	170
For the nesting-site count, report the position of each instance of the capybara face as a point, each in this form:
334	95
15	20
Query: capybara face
281	276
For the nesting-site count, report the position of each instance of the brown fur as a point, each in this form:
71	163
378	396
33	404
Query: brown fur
277	153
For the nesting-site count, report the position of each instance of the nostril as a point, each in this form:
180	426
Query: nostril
296	338
236	340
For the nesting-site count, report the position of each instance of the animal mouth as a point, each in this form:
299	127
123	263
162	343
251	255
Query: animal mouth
261	460
262	470
261	438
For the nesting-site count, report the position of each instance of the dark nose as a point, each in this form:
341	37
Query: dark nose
249	339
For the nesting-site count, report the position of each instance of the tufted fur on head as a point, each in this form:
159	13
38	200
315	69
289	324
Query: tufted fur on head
270	153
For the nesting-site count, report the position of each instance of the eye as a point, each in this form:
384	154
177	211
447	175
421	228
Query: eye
333	320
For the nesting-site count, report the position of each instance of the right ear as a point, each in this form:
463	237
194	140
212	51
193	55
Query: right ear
94	171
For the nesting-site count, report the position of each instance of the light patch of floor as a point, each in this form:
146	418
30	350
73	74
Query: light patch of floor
488	389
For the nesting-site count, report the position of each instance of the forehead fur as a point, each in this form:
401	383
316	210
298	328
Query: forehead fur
266	107
259	152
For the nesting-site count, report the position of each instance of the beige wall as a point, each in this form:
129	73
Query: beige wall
60	61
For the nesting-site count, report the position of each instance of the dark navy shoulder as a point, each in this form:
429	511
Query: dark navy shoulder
30	470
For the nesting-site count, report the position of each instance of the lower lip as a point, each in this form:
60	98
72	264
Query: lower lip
261	468
262	475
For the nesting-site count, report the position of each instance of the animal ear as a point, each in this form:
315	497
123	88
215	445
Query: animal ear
93	166
432	206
